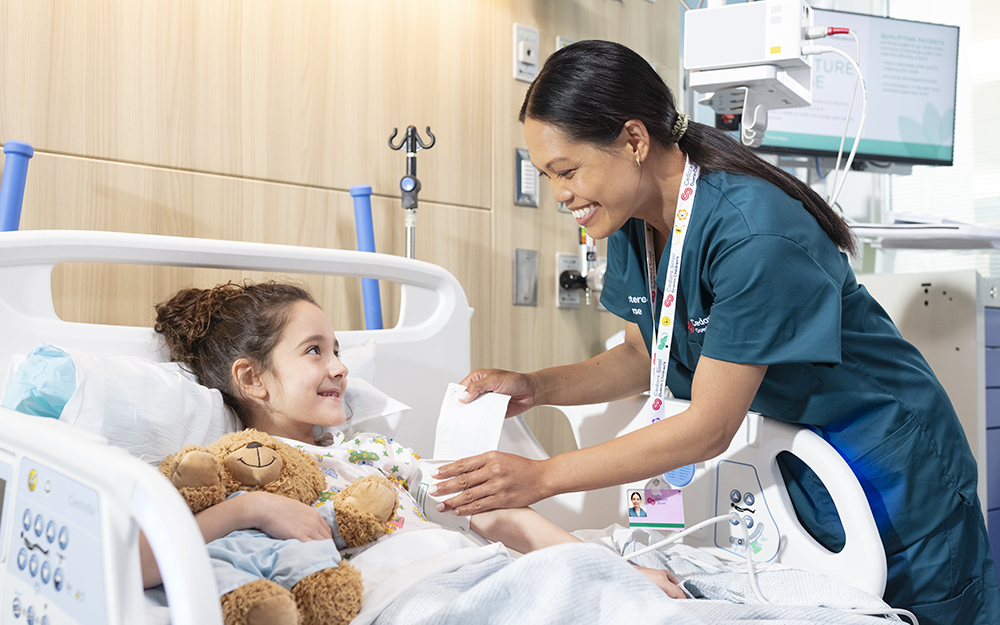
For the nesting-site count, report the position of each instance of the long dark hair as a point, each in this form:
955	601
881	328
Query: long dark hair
589	89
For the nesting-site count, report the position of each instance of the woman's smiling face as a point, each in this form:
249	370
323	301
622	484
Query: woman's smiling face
599	186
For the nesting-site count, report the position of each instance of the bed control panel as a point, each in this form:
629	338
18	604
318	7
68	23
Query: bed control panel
740	494
52	561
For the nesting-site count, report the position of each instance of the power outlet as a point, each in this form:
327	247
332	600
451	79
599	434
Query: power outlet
567	298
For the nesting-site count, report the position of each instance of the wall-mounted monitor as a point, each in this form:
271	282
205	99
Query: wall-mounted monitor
910	69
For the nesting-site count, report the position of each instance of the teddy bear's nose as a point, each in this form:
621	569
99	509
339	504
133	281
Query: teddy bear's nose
253	445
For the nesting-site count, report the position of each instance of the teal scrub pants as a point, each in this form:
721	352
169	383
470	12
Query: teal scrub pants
947	577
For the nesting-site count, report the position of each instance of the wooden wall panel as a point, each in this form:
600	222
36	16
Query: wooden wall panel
250	120
76	193
558	336
299	91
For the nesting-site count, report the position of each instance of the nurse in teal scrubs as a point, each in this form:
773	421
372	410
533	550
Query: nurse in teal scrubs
762	311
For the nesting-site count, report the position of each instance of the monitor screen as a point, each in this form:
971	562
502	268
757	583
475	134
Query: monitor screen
910	69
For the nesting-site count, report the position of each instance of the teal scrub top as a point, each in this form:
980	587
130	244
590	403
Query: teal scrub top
762	283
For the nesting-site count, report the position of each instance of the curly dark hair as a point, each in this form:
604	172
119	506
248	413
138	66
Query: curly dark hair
207	330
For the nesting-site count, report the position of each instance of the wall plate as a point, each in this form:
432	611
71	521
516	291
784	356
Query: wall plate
525	277
567	298
526	52
525	179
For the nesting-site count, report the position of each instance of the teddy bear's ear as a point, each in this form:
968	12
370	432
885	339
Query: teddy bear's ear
197	475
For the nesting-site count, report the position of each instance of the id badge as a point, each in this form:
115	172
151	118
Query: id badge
655	505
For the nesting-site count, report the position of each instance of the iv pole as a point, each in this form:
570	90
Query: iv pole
409	184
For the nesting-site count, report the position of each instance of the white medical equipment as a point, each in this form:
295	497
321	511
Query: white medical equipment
750	468
431	337
748	57
764	64
69	518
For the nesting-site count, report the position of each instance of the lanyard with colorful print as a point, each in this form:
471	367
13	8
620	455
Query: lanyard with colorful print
663	325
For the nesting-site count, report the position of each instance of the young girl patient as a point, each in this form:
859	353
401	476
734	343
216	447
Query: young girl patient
272	353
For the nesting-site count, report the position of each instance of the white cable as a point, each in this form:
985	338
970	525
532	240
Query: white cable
747	134
847	122
752	572
864	112
677	536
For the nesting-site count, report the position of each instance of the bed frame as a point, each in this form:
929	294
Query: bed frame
431	336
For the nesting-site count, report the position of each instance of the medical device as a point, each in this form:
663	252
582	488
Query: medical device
744	479
409	184
765	65
70	510
748	58
746	541
590	277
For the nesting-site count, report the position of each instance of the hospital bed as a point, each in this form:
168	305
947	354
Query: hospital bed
58	482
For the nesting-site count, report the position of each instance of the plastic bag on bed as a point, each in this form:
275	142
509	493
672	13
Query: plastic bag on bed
41	383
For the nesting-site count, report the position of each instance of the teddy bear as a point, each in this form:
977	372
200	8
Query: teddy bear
250	460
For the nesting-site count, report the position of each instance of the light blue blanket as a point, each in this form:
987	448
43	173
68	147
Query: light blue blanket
587	583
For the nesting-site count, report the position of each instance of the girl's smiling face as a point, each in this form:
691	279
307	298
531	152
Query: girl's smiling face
599	186
306	383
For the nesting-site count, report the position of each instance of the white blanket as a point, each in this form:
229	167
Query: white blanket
590	583
439	576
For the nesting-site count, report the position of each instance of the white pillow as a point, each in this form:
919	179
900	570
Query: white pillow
153	409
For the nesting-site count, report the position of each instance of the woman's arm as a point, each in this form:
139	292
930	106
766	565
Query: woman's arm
620	372
721	394
275	515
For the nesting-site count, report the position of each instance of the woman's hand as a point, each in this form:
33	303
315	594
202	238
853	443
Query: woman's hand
283	518
517	385
491	481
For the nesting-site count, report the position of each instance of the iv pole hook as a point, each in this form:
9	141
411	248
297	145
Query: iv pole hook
410	185
412	140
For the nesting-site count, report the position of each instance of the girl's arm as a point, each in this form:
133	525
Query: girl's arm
275	515
524	530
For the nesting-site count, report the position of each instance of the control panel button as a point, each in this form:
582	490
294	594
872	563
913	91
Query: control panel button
27	519
50	531
39	525
748	499
22	558
33	565
17	607
748	521
735	496
46	572
57	579
31	615
64	537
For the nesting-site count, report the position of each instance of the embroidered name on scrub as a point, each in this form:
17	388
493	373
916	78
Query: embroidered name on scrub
632	299
698	326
